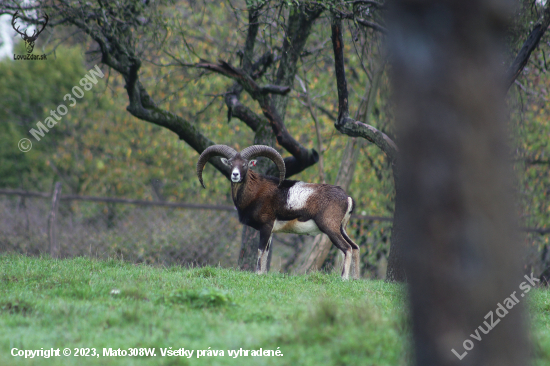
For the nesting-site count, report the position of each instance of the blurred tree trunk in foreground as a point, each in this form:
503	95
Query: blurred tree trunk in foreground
460	247
396	269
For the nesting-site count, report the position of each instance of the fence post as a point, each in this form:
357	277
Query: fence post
51	220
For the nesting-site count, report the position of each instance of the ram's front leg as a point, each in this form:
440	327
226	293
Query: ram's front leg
263	250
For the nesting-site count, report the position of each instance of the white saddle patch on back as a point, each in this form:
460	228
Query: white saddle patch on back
298	195
308	227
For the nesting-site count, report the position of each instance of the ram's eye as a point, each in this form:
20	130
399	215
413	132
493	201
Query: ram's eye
244	164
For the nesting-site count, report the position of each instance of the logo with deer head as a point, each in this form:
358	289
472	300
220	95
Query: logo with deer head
29	40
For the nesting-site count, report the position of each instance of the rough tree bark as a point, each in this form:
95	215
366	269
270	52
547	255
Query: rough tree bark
395	272
459	241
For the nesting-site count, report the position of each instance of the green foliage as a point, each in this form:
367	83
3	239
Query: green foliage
15	166
100	149
28	91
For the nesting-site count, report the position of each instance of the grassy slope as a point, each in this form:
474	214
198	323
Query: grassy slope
314	319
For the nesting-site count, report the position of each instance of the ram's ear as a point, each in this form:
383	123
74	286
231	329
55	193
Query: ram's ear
252	163
226	162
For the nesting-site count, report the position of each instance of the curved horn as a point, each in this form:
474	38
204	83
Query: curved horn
268	152
214	150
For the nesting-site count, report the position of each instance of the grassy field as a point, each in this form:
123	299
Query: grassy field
311	320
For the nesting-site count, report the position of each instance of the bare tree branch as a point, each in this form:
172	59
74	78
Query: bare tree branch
304	83
242	112
234	106
375	4
243	79
344	123
361	21
529	46
302	157
116	45
373	25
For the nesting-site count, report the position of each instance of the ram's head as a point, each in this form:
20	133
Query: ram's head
240	162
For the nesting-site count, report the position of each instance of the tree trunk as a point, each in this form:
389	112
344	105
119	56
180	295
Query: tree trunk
459	241
250	241
299	25
395	271
320	247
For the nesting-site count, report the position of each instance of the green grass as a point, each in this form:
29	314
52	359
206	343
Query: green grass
313	320
86	303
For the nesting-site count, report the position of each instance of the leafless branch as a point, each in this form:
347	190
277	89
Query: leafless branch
344	123
529	45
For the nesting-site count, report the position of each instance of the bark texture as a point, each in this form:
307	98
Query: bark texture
459	242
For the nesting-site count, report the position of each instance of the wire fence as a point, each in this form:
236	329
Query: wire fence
170	233
163	233
139	231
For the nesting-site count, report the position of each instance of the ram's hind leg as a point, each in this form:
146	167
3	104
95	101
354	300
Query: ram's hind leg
355	258
263	250
337	239
330	222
